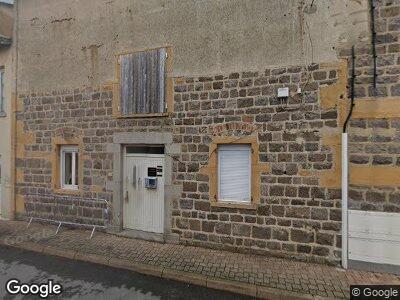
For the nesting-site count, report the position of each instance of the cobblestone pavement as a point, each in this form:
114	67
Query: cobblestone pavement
88	281
278	273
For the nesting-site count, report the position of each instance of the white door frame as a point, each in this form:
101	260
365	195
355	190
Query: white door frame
172	192
145	205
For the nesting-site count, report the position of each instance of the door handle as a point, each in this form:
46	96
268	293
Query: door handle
134	176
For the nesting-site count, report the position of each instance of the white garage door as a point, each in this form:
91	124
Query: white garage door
374	237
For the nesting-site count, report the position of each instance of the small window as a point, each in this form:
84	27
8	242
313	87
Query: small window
69	167
1	89
143	82
234	173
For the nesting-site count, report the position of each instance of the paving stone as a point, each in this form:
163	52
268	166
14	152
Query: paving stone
269	272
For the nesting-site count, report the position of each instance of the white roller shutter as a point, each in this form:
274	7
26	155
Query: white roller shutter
374	237
234	173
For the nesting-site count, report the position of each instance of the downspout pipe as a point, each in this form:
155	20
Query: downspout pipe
14	100
345	183
345	170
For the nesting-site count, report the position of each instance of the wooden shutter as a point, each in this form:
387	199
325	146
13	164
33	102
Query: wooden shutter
143	82
234	173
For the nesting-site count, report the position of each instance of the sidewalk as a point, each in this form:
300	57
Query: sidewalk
264	277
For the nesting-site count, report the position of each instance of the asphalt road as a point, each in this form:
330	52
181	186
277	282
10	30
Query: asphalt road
82	280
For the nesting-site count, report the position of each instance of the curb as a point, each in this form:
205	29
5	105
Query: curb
242	288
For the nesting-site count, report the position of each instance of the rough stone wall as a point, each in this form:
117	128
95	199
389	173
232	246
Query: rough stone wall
83	113
375	141
387	27
297	216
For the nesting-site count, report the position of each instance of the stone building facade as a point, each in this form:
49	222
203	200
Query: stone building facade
374	129
296	216
296	201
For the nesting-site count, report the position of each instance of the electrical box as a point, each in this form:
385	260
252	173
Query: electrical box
150	182
283	92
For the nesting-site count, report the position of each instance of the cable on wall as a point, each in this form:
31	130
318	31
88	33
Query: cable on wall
352	91
373	41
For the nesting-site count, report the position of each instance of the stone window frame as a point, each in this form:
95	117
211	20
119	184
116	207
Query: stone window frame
64	150
56	165
223	151
256	169
169	89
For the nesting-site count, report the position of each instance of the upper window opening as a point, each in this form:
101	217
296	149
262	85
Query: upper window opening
144	150
143	82
234	173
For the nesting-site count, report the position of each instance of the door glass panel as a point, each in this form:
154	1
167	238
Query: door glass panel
68	168
76	169
144	150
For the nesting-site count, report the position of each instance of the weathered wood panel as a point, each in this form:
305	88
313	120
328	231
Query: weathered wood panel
143	81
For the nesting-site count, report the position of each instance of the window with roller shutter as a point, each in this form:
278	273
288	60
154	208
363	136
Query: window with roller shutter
234	173
143	82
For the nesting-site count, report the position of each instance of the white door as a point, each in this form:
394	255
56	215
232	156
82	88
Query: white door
143	208
374	237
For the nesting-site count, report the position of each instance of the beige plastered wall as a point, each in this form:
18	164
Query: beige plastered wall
66	44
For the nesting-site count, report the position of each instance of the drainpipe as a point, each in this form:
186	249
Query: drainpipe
345	168
14	100
345	182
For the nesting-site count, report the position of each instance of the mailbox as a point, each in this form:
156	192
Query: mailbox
150	182
151	179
